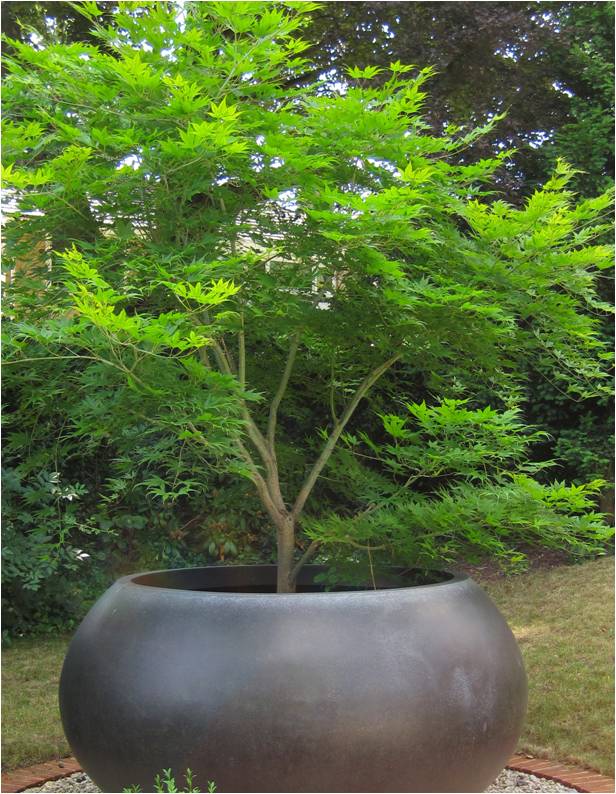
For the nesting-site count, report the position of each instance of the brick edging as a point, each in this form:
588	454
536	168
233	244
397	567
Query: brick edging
575	777
20	779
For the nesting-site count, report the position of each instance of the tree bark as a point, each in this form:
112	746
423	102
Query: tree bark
285	583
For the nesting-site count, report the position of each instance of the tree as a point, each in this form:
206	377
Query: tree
585	136
47	21
216	236
548	66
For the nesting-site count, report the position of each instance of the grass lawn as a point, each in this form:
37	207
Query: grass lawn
564	621
32	731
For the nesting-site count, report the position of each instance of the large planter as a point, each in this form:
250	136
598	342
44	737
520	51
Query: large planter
402	689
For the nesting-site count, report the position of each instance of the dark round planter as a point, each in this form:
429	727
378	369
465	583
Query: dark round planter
401	689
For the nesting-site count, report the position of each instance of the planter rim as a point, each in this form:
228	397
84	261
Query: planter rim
455	577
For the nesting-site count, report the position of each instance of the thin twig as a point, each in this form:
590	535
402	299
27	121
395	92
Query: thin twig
332	406
282	387
241	367
362	390
307	555
371	568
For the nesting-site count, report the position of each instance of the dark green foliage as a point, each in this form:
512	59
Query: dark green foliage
48	20
585	137
47	580
581	432
79	510
548	66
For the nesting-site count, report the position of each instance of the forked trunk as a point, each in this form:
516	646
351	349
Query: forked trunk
268	487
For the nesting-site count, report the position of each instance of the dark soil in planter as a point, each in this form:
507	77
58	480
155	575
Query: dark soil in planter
409	577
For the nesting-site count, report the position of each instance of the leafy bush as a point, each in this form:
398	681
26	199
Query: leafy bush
80	508
47	581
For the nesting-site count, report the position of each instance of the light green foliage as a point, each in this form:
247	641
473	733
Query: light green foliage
166	782
218	237
457	483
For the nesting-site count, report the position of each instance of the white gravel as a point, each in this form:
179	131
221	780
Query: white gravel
77	782
508	780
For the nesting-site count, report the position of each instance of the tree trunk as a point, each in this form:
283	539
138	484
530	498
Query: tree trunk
286	549
268	486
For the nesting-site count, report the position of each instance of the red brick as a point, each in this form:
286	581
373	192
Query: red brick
575	777
583	775
595	777
588	779
545	766
38	774
581	779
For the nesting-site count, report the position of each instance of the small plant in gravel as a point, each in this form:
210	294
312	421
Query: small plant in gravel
166	783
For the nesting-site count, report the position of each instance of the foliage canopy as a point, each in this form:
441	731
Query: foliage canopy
214	238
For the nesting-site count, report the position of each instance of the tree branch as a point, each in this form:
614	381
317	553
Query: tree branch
204	357
362	390
256	436
229	356
241	354
119	366
221	358
282	387
362	546
272	486
260	483
307	555
254	433
332	405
